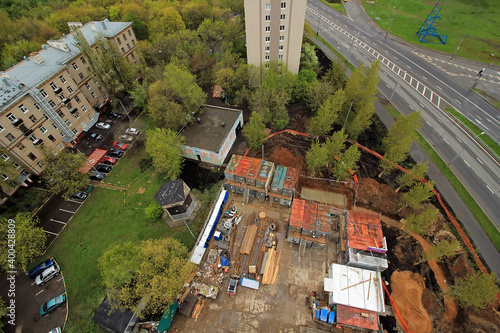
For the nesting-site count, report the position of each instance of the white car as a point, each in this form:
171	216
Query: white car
103	126
47	274
126	138
56	330
134	131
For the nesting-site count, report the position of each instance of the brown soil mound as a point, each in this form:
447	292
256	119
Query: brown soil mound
379	197
407	290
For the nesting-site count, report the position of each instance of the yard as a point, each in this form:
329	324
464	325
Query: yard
110	216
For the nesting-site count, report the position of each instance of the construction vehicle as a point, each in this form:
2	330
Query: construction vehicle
231	289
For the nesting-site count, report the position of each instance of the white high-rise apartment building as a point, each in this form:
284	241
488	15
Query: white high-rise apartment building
274	30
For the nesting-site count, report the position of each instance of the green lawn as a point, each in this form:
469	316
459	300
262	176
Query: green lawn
109	217
479	20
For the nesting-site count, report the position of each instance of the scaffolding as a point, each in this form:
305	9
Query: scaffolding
428	30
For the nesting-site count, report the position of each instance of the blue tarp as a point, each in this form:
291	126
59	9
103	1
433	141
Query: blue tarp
249	283
331	317
167	317
316	314
323	315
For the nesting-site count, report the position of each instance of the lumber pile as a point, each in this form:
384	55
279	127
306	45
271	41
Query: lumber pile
272	267
197	310
248	241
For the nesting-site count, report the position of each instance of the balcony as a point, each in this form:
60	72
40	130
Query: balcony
28	132
65	101
73	110
17	122
58	90
37	142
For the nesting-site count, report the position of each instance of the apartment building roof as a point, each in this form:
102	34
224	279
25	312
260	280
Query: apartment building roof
50	60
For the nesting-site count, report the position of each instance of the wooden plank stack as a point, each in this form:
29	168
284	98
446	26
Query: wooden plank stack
272	267
248	241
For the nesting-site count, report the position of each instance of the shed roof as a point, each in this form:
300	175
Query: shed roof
311	216
233	164
285	177
112	319
170	192
365	231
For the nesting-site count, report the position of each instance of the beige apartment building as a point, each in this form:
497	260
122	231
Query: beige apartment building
51	98
274	30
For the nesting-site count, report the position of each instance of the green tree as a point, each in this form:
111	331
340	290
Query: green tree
335	144
335	74
254	131
165	20
322	122
153	212
164	146
29	240
317	93
109	68
3	313
271	103
156	269
409	178
308	58
442	250
417	194
212	32
194	12
476	291
422	222
139	95
317	158
347	161
174	99
61	175
13	53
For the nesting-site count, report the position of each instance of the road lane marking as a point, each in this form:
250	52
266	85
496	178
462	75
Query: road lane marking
446	141
423	77
459	140
38	293
477	158
52	220
421	105
466	163
458	101
439	87
490	189
411	107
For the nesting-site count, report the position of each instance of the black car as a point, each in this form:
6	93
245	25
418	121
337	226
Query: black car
93	136
114	153
103	168
116	115
80	195
94	175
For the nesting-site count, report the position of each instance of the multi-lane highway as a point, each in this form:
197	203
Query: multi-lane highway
412	82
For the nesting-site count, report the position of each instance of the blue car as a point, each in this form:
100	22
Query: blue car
52	305
37	270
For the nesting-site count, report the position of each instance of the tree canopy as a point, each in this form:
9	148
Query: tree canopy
254	131
164	146
477	290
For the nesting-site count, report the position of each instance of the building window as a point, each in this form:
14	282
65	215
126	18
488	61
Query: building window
76	115
124	37
75	66
280	57
23	108
82	59
132	55
123	50
268	6
4	157
40	164
75	131
59	146
267	58
268	18
282	38
105	97
21	147
1	128
32	138
133	42
51	138
53	85
45	116
60	113
32	156
33	118
282	17
61	97
15	165
11	117
43	93
77	99
70	90
84	109
43	129
118	40
268	48
128	46
268	28
51	103
100	89
282	28
268	39
266	65
283	5
81	76
55	126
129	32
94	94
87	85
10	137
63	79
68	122
5	177
37	107
281	47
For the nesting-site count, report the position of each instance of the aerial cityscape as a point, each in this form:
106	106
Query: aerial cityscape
249	166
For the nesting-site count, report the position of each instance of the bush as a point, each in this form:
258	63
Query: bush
153	212
146	163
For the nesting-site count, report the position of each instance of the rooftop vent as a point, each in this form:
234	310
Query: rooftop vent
36	57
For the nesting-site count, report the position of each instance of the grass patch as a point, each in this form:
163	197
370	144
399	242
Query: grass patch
458	18
486	139
107	218
476	210
338	6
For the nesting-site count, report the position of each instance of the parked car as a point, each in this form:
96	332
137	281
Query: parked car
103	168
93	136
35	271
109	160
94	175
103	126
52	305
115	153
47	274
120	145
116	115
80	195
126	138
56	330
133	131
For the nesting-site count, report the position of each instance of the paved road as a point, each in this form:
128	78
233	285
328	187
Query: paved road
411	82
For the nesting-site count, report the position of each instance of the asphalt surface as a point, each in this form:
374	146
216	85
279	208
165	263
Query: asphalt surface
414	83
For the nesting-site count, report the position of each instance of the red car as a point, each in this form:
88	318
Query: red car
120	145
109	160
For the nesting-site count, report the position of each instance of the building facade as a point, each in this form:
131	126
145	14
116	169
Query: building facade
274	30
51	97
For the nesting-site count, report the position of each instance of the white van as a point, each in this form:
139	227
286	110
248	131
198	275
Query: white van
47	274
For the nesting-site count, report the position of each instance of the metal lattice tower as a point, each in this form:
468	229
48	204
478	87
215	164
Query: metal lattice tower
428	30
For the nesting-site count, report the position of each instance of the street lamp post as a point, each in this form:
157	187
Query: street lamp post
350	50
387	32
483	71
457	47
319	22
467	145
345	122
397	83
